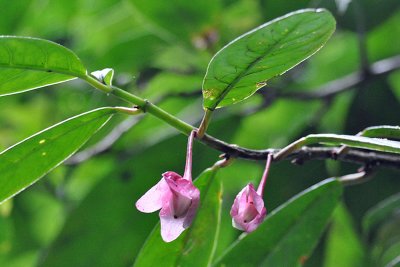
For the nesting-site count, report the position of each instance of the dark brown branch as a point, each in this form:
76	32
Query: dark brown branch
309	153
356	156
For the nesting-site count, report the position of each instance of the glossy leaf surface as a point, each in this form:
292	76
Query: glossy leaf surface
30	63
24	163
243	66
385	131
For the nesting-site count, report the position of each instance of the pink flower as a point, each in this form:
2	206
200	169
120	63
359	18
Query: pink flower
248	210
177	198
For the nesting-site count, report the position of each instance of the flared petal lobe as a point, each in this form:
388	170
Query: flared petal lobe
153	199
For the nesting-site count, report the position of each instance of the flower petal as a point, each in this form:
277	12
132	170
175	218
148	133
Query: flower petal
251	226
171	227
153	199
248	209
191	213
181	186
256	199
183	190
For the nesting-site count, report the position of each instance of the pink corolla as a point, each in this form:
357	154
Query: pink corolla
248	210
177	198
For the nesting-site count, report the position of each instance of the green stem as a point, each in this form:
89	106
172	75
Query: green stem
143	104
204	123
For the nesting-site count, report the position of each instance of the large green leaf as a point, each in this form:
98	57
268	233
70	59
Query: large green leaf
289	234
244	65
30	63
24	163
343	245
198	243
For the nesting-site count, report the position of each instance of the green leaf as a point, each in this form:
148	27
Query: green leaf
377	144
384	131
105	76
380	212
243	66
343	245
289	234
30	63
198	242
354	141
24	163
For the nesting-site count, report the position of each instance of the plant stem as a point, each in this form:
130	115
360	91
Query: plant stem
260	189
291	151
188	167
143	104
204	123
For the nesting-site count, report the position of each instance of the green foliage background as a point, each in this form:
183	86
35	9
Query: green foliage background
84	215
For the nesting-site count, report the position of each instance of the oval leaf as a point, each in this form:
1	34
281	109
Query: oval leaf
244	65
197	243
30	63
289	234
24	163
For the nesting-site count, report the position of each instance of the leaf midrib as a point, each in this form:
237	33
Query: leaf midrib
227	89
69	72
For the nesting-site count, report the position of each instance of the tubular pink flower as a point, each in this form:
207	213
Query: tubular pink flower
248	210
177	198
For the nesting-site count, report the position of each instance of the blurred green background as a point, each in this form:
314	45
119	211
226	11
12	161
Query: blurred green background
83	213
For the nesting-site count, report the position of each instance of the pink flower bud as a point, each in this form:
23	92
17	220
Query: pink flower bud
248	209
